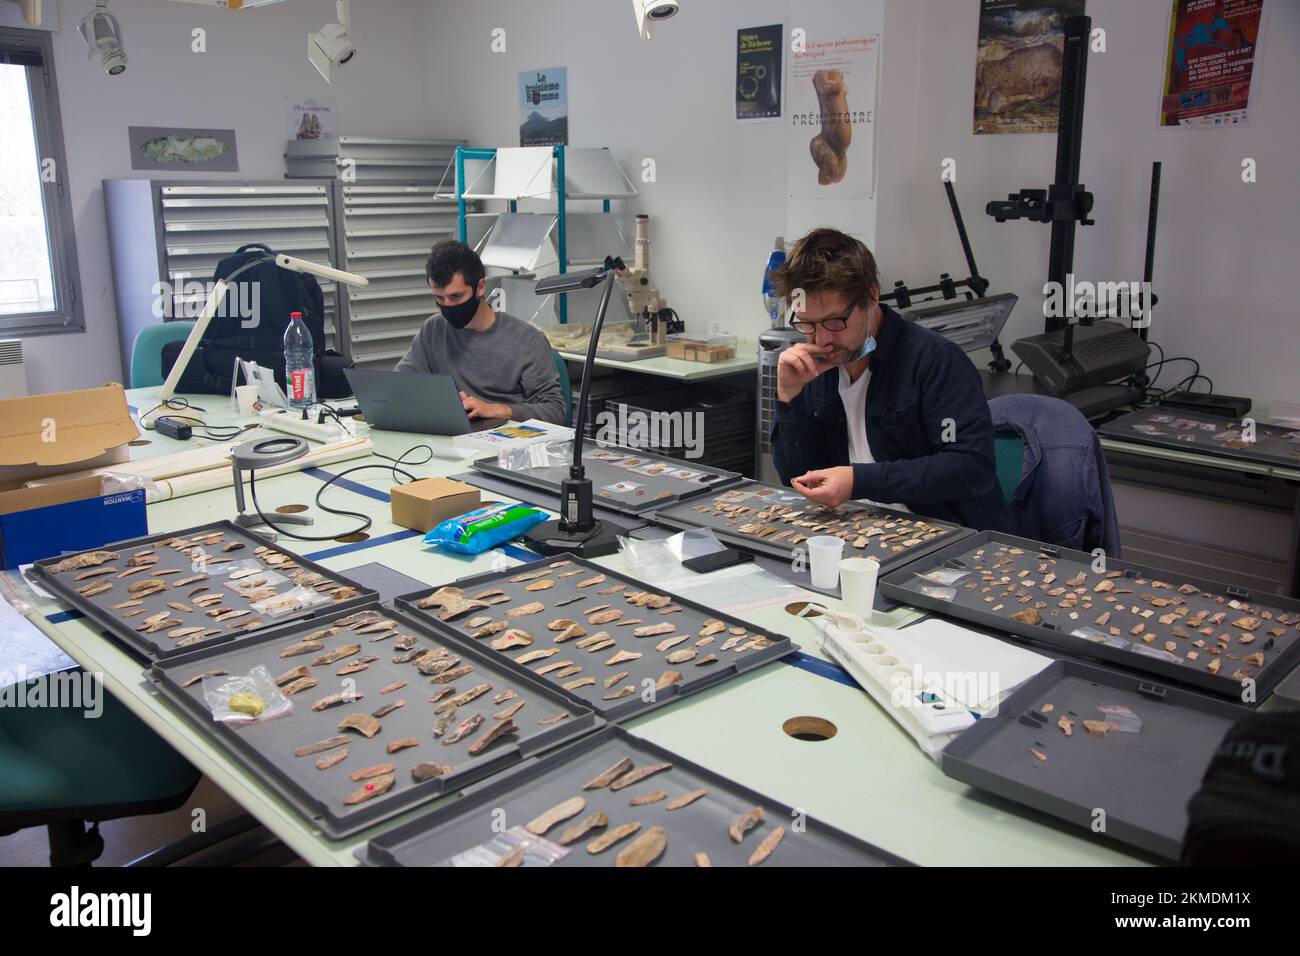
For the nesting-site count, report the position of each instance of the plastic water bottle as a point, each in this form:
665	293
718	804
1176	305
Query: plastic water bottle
299	364
770	302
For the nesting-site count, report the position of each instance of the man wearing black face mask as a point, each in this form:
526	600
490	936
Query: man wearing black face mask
502	365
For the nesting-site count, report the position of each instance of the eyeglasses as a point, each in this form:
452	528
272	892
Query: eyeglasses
834	324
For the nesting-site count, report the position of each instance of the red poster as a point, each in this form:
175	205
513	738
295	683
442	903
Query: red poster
1210	63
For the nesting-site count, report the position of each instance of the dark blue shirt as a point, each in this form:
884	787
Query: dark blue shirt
928	427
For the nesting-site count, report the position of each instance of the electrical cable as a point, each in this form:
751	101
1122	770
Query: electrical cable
366	520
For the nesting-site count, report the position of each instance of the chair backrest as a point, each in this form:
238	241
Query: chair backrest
1009	454
1064	505
146	353
562	367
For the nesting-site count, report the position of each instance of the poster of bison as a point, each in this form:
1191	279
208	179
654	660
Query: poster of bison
1018	64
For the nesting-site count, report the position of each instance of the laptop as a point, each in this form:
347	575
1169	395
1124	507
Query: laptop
427	403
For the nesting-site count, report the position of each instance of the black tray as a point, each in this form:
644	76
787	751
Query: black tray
157	646
604	474
267	747
969	605
1206	435
647	669
683	516
1141	782
538	785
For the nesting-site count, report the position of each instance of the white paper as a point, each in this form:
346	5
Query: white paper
939	647
25	652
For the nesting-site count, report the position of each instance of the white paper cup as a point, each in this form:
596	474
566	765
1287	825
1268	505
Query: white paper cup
824	553
246	395
858	585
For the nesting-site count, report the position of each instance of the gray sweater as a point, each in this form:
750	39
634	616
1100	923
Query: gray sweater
509	363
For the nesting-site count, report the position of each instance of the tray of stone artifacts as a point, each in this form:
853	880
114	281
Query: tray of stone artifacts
1205	634
1208	435
614	799
1116	754
385	714
774	521
603	638
163	594
622	479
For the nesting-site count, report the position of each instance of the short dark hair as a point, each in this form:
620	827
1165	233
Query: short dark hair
827	260
448	257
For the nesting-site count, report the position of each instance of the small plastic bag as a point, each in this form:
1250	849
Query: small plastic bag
268	578
221	570
1121	719
694	544
243	698
112	483
649	559
507	847
290	602
1099	637
934	591
537	454
1157	653
942	576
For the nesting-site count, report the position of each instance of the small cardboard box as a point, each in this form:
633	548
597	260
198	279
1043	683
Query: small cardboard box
419	505
46	435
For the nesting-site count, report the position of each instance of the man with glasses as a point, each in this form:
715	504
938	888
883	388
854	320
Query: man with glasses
873	407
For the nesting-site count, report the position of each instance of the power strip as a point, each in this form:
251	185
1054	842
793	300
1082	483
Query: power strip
290	421
920	708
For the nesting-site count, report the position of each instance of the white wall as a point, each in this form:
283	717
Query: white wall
1223	246
719	198
255	61
1226	251
425	67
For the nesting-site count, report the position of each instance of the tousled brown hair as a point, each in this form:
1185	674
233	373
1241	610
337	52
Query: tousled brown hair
827	260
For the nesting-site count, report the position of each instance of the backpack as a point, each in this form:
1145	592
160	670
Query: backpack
250	323
1248	808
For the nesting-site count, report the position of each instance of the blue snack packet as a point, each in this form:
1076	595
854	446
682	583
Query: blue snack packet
476	531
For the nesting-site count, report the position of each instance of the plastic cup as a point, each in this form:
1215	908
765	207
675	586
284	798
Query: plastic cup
858	585
246	395
824	553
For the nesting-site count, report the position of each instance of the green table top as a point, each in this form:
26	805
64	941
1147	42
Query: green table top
870	779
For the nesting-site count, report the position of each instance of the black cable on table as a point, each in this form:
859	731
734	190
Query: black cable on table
366	520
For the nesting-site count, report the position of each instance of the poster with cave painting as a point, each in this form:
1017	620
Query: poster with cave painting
1018	64
831	92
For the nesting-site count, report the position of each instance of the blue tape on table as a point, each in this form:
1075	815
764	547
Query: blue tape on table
361	545
348	483
58	617
815	665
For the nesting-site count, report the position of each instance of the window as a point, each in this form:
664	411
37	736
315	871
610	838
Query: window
38	259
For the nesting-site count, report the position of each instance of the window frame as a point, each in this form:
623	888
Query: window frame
48	124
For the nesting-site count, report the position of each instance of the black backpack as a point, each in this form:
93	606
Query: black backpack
1247	811
264	296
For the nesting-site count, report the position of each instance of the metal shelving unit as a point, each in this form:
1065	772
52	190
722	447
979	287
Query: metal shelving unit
517	241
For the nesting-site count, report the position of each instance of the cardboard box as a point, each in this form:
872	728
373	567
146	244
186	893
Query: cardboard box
47	435
68	516
700	353
419	505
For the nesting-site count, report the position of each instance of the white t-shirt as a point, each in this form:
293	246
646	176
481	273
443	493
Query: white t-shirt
854	397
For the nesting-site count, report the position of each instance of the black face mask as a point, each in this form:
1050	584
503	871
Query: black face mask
460	315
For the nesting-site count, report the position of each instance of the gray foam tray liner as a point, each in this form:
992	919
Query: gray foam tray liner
649	667
603	474
902	585
683	516
538	785
267	747
1142	781
157	646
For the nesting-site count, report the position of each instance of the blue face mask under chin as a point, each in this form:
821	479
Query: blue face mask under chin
868	347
